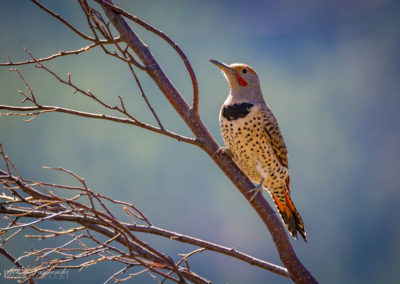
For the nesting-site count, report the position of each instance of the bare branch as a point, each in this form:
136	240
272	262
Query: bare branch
36	110
58	54
122	271
79	214
40	109
172	43
126	55
92	15
144	97
14	261
185	256
95	220
161	232
32	97
65	22
210	246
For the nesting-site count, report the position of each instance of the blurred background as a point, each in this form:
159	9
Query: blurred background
329	71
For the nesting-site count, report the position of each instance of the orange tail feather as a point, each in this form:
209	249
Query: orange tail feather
290	216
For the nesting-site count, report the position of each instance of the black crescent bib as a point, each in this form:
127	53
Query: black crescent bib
236	111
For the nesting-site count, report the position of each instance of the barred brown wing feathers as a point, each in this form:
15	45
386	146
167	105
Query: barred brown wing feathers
275	138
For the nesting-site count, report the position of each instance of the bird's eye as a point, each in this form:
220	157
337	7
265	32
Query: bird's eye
244	71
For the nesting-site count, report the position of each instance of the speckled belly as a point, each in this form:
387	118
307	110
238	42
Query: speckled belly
246	138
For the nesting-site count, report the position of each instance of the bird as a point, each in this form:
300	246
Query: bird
254	141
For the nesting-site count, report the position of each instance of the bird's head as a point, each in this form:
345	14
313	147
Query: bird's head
238	75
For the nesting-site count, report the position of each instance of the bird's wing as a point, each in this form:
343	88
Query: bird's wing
275	139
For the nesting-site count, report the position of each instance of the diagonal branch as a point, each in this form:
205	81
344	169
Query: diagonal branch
61	19
15	261
212	247
142	93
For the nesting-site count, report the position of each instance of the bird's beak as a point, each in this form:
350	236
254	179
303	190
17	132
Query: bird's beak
224	67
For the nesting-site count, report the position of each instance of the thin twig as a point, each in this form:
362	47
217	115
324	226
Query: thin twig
145	98
92	96
90	17
98	116
32	98
210	246
127	55
172	43
61	19
51	57
15	261
121	271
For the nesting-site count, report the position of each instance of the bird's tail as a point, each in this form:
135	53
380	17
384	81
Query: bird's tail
290	216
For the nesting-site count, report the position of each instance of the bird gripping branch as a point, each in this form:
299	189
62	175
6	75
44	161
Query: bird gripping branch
254	141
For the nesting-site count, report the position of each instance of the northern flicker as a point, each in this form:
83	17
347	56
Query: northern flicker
253	139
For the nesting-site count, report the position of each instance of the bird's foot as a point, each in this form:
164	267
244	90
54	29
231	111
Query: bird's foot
257	189
223	151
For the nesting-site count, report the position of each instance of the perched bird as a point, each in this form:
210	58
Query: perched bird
254	141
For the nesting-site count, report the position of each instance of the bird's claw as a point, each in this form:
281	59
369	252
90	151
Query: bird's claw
257	189
223	151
